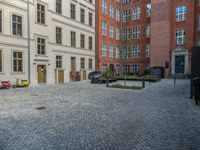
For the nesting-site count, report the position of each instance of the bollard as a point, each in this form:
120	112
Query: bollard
143	82
174	80
191	88
107	82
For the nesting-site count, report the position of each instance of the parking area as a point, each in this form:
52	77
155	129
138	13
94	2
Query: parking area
84	116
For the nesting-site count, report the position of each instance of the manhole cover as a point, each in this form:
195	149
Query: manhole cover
41	108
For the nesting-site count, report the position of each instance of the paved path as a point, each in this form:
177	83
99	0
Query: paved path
92	117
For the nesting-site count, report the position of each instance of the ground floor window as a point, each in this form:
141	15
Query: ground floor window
117	69
58	61
1	61
104	67
125	69
82	63
17	62
90	64
136	69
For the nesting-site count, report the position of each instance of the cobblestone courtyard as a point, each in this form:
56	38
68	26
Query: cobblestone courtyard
88	117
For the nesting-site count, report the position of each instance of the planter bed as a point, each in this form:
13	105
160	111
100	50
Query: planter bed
131	78
119	86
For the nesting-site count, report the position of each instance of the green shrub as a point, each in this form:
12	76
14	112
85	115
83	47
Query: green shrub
126	87
107	74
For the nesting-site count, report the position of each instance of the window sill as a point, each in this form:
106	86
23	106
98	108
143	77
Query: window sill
41	24
38	55
2	73
17	73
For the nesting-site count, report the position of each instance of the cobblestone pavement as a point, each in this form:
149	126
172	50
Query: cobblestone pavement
92	117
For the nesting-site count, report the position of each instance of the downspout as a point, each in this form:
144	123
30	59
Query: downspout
28	41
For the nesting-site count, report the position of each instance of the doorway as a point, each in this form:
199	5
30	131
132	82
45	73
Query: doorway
84	74
60	76
41	70
180	64
73	69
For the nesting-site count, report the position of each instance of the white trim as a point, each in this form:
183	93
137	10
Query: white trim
23	62
11	27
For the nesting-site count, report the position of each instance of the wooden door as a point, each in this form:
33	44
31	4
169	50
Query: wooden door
60	76
84	74
73	68
41	69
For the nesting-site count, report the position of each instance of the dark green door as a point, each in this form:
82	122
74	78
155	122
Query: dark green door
180	64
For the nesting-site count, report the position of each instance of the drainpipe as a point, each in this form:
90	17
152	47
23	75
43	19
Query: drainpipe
28	41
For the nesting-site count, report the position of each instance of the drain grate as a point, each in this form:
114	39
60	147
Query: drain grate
41	108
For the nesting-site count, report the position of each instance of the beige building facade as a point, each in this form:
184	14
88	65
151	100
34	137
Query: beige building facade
62	40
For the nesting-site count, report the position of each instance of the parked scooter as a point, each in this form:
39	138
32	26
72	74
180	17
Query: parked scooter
5	84
20	83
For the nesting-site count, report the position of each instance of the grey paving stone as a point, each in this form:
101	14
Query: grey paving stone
88	117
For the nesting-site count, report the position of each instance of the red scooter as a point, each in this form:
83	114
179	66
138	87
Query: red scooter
5	85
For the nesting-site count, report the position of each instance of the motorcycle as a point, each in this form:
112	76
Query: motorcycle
20	83
5	84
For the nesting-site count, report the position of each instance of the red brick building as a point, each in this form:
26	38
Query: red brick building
153	33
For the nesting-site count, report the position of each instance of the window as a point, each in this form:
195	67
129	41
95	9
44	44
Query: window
126	1
82	63
117	69
136	32
199	23
82	41
104	28
104	7
117	52
1	62
148	50
90	19
198	44
148	10
136	13
82	16
90	1
58	35
125	52
17	62
111	11
111	51
59	6
126	34
117	33
58	61
104	67
136	69
73	11
104	49
0	21
180	36
111	31
41	46
40	14
125	69
126	15
16	25
73	39
180	13
136	51
117	15
148	30
90	65
90	43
